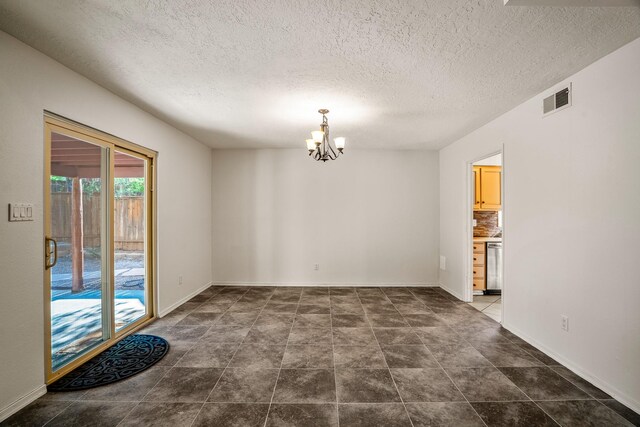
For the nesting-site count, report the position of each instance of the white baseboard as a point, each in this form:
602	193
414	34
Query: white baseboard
325	284
178	303
603	385
455	294
20	403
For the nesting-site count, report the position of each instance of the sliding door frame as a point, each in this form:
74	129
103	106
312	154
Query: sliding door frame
148	234
55	123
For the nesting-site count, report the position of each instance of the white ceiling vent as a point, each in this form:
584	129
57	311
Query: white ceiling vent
558	101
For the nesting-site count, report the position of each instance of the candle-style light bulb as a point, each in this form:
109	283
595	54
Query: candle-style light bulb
317	136
311	145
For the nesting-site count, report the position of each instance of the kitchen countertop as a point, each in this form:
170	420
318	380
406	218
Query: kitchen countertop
488	239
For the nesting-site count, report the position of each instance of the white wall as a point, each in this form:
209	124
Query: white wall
572	221
490	161
30	83
368	217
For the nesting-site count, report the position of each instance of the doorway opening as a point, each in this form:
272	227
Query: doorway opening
98	281
485	216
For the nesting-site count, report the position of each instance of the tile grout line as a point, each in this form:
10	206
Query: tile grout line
496	368
61	411
522	391
380	347
544	365
515	341
208	328
333	354
442	367
275	385
177	361
585	391
145	395
614	399
234	353
138	402
498	301
406	411
447	374
489	315
198	340
331	402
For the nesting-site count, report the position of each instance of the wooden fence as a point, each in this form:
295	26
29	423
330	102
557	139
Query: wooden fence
129	221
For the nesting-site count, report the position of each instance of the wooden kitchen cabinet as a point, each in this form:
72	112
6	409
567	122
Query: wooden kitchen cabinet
479	284
479	280
488	188
476	182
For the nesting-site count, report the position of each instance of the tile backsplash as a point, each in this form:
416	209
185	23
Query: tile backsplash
486	224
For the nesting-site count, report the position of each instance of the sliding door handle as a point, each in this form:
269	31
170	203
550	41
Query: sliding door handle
48	252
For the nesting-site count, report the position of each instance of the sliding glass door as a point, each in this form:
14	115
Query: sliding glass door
98	247
77	246
130	238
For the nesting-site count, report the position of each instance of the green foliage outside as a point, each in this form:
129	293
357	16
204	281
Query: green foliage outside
123	187
126	187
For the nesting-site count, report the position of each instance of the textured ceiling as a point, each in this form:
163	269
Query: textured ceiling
248	73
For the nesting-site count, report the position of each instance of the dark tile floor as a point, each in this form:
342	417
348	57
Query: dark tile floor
336	356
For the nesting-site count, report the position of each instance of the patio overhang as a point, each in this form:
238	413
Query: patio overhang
72	160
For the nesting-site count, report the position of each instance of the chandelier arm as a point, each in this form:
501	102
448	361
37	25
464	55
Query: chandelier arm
332	151
329	152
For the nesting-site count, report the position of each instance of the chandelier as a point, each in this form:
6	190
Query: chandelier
319	146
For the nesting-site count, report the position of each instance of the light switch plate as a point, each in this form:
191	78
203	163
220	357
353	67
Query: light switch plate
20	212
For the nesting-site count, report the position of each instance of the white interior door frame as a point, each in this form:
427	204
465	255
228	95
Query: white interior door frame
468	294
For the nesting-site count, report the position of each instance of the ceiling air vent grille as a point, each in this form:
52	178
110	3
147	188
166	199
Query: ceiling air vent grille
558	101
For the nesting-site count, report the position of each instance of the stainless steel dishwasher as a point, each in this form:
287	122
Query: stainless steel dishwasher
494	268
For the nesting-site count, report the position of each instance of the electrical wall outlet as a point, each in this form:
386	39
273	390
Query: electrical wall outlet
316	267
565	323
443	262
179	280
